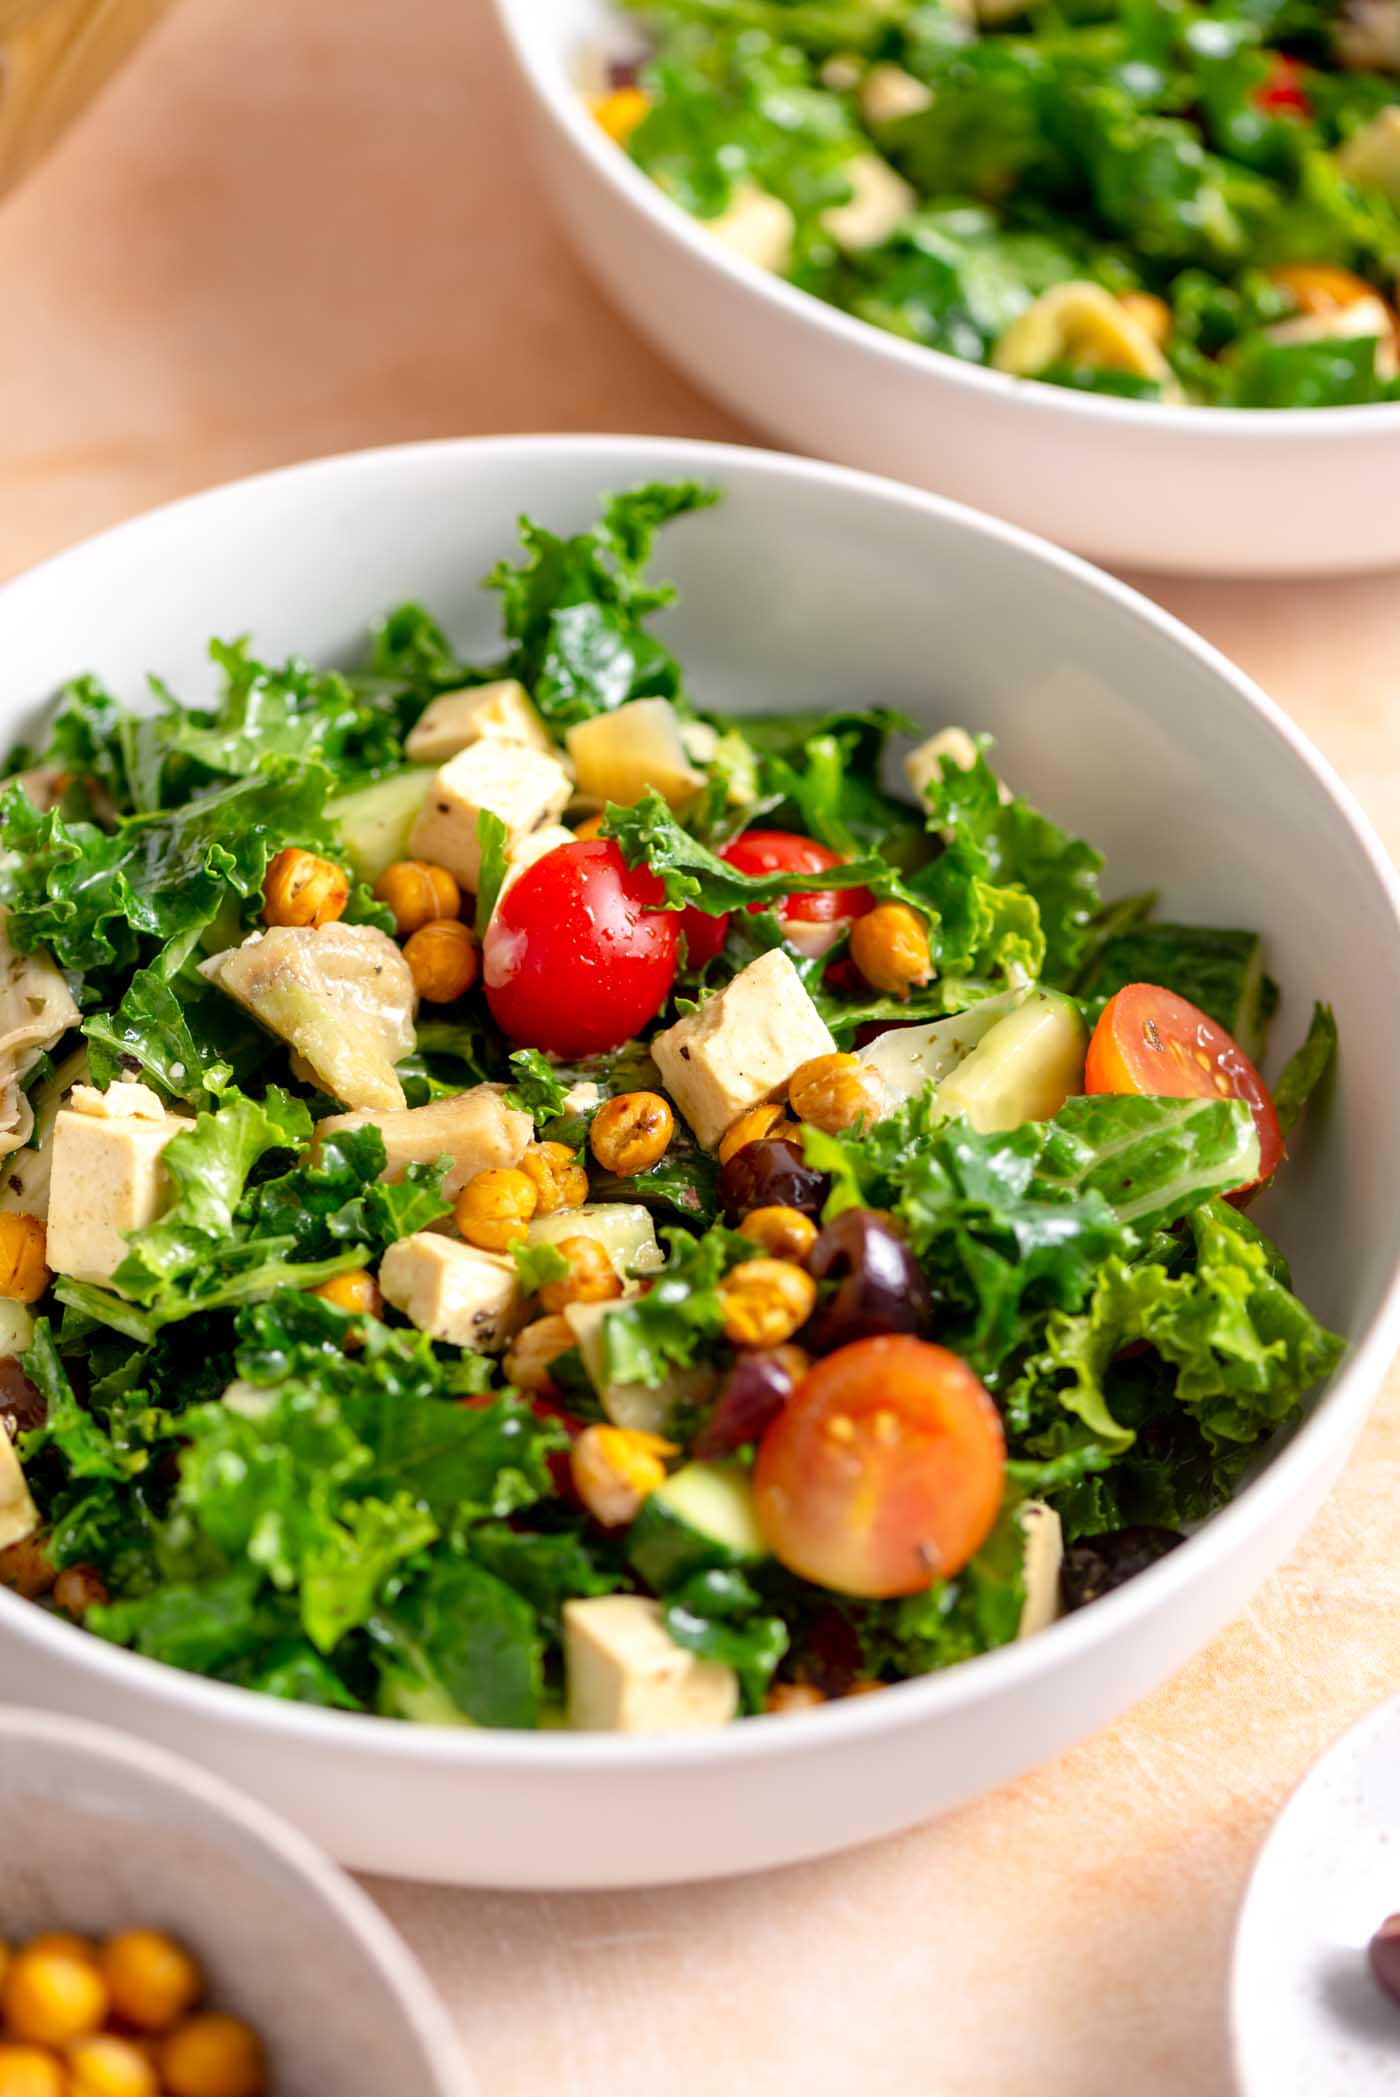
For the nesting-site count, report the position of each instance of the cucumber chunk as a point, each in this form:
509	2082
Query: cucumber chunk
908	1057
375	820
1023	1069
700	1518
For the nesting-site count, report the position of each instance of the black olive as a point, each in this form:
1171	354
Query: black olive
753	1394
1097	1564
22	1406
770	1173
880	1286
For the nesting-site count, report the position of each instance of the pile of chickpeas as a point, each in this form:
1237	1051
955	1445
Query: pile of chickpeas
119	2018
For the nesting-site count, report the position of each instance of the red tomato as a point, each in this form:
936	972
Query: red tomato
813	921
884	1471
1151	1041
578	957
1283	93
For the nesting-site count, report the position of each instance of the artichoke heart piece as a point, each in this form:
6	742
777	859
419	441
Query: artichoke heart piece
36	1011
1082	324
341	996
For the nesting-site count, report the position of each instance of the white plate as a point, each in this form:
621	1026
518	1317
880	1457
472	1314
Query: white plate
1204	490
807	585
1308	2018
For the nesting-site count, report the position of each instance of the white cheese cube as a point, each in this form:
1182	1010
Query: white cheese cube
618	756
452	1291
1043	1547
741	1047
626	1674
888	93
880	201
538	845
454	720
19	1517
475	1129
624	1229
116	1102
521	786
757	226
108	1179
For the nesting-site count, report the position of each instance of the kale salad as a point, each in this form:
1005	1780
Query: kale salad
1155	199
529	1199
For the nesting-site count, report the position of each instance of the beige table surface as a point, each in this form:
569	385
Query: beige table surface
297	226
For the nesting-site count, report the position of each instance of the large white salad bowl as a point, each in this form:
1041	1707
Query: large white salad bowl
807	585
1134	483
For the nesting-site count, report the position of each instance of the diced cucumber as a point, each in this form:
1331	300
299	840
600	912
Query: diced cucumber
375	820
702	1517
643	1407
1024	1069
624	1229
908	1057
16	1327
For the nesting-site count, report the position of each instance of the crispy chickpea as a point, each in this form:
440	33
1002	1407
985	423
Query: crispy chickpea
584	832
153	1980
66	1942
107	2066
50	1997
418	893
1320	287
751	1127
614	1469
27	1568
443	958
620	112
834	1092
214	2056
765	1301
28	2071
356	1292
592	1277
533	1352
785	1234
630	1133
793	1696
78	1589
24	1271
1153	315
560	1181
300	889
493	1210
890	948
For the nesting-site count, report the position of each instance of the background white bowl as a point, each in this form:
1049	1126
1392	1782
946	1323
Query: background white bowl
808	585
99	1833
1224	491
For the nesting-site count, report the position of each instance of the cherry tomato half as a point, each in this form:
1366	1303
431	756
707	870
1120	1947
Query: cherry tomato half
813	921
884	1471
578	957
1283	93
1151	1041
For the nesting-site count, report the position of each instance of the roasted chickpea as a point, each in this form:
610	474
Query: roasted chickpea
890	948
300	889
834	1092
153	1980
67	1943
27	1568
560	1181
29	2071
1320	287
24	1272
494	1209
590	829
213	2056
443	958
50	1997
785	1234
418	893
754	1126
107	2066
533	1352
592	1277
620	112
78	1589
630	1133
793	1696
765	1301
1153	315
356	1292
615	1469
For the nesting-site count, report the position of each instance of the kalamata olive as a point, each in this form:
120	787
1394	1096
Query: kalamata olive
880	1286
767	1174
1097	1564
751	1398
1384	1954
625	72
22	1407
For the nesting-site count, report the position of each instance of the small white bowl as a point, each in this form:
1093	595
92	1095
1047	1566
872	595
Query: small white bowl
1137	484
100	1833
806	586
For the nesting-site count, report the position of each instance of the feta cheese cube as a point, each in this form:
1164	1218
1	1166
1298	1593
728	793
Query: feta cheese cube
757	226
626	1674
618	756
888	93
520	785
453	1291
741	1047
117	1101
454	720
475	1129
880	201
108	1179
532	848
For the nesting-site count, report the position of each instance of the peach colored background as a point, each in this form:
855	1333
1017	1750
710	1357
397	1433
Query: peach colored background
295	228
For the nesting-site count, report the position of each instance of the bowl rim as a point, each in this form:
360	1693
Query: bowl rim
912	1704
259	1828
1241	427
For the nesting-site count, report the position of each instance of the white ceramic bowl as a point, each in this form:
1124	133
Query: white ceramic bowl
808	585
100	1833
1223	491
